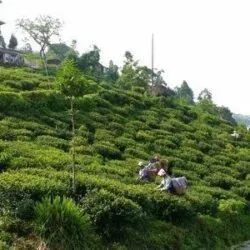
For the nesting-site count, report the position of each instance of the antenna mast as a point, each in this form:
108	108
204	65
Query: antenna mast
152	59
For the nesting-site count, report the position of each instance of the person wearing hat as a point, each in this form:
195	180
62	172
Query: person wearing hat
165	184
149	170
142	171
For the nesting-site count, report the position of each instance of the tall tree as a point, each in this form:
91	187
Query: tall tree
185	92
41	30
89	62
205	94
112	73
206	102
58	50
226	114
13	42
132	74
72	84
2	41
158	78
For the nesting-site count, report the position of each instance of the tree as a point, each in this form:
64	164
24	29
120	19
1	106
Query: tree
205	94
72	84
112	73
89	63
206	102
226	114
59	50
2	42
186	93
158	78
41	30
13	42
26	47
133	75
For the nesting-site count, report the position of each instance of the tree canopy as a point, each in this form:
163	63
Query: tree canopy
41	30
13	42
186	93
71	80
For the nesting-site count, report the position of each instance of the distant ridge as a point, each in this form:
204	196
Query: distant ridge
245	119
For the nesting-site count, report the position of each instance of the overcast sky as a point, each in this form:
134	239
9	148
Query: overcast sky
205	42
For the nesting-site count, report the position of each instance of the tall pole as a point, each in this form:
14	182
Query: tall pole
152	59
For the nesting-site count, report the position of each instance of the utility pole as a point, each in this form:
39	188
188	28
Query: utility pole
152	59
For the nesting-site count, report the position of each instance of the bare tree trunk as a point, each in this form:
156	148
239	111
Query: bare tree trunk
73	143
44	59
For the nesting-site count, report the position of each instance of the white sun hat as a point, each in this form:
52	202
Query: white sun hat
140	164
162	172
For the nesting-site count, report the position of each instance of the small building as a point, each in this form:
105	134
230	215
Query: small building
10	56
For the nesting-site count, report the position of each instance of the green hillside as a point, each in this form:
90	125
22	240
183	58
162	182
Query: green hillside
115	128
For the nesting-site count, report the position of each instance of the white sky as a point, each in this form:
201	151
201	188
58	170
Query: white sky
205	42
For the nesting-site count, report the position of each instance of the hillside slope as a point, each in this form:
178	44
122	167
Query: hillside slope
116	129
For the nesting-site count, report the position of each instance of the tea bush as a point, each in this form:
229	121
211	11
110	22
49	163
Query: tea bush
231	207
112	214
221	180
53	142
107	149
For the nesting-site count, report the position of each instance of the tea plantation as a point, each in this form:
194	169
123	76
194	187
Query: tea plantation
111	208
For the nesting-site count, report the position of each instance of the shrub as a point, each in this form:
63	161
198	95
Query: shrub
15	185
41	99
225	170
13	102
231	207
124	142
103	135
161	144
112	214
221	180
216	192
53	142
22	84
144	136
116	128
23	162
189	154
62	225
243	167
175	162
107	149
242	191
135	152
25	208
204	147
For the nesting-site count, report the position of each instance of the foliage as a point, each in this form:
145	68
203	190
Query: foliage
59	50
205	94
115	128
70	79
41	30
132	74
90	65
63	226
13	42
186	92
112	214
232	207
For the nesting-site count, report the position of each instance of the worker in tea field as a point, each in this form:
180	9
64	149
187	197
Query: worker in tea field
149	170
165	173
176	185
